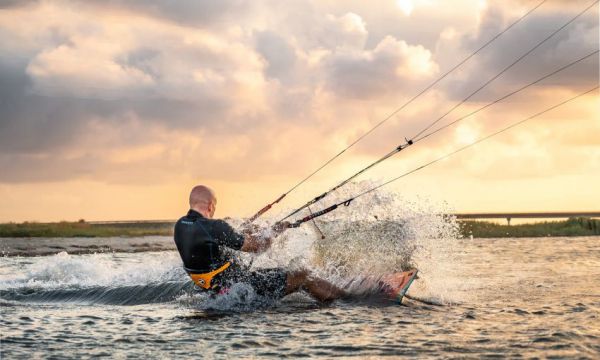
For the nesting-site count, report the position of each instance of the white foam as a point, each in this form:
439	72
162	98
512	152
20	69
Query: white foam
107	269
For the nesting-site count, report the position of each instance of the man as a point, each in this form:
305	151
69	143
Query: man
206	247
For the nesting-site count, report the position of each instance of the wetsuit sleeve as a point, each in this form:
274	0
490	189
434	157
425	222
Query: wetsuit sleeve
227	236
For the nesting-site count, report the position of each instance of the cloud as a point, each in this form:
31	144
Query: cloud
279	54
183	79
575	41
134	92
390	67
29	122
347	31
6	4
197	13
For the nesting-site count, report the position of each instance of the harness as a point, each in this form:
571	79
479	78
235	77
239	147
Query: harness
204	280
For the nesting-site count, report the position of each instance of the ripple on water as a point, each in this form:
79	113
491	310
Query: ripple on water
500	316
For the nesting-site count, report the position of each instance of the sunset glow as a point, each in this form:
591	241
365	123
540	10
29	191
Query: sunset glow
114	110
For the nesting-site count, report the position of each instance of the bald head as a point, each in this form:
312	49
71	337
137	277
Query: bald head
203	200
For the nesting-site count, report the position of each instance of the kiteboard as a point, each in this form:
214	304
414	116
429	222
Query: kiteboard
394	286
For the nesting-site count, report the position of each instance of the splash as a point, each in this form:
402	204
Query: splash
379	233
240	297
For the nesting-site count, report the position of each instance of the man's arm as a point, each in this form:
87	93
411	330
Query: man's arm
254	242
250	239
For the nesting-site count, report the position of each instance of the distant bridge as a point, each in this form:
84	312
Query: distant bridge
531	215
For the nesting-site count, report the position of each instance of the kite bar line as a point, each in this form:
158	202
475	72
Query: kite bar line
392	114
348	201
410	142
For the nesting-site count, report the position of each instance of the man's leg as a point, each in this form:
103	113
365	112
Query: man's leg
319	288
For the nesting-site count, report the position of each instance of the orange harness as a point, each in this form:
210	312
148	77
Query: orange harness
204	280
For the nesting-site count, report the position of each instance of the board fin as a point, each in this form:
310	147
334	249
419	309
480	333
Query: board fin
396	285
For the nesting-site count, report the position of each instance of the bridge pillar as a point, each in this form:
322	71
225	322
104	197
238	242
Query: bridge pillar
508	221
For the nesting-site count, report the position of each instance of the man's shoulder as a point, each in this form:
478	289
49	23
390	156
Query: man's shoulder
184	220
220	223
187	220
186	223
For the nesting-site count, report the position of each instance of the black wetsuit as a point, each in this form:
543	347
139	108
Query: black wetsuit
207	244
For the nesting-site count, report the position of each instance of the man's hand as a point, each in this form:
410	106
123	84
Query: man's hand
256	242
251	229
281	227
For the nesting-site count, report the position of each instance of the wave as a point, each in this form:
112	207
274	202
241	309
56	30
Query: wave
122	295
65	270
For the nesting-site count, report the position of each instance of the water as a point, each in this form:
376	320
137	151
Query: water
475	297
513	297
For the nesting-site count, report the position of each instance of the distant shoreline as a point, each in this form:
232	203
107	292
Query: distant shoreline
468	228
571	227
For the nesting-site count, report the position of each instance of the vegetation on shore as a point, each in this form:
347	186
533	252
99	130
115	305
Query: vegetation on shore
570	227
478	229
85	229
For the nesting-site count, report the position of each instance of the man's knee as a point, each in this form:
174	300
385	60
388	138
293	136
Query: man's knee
297	278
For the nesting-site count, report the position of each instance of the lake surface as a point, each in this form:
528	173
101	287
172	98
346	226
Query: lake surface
495	298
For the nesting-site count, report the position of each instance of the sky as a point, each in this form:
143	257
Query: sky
113	110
